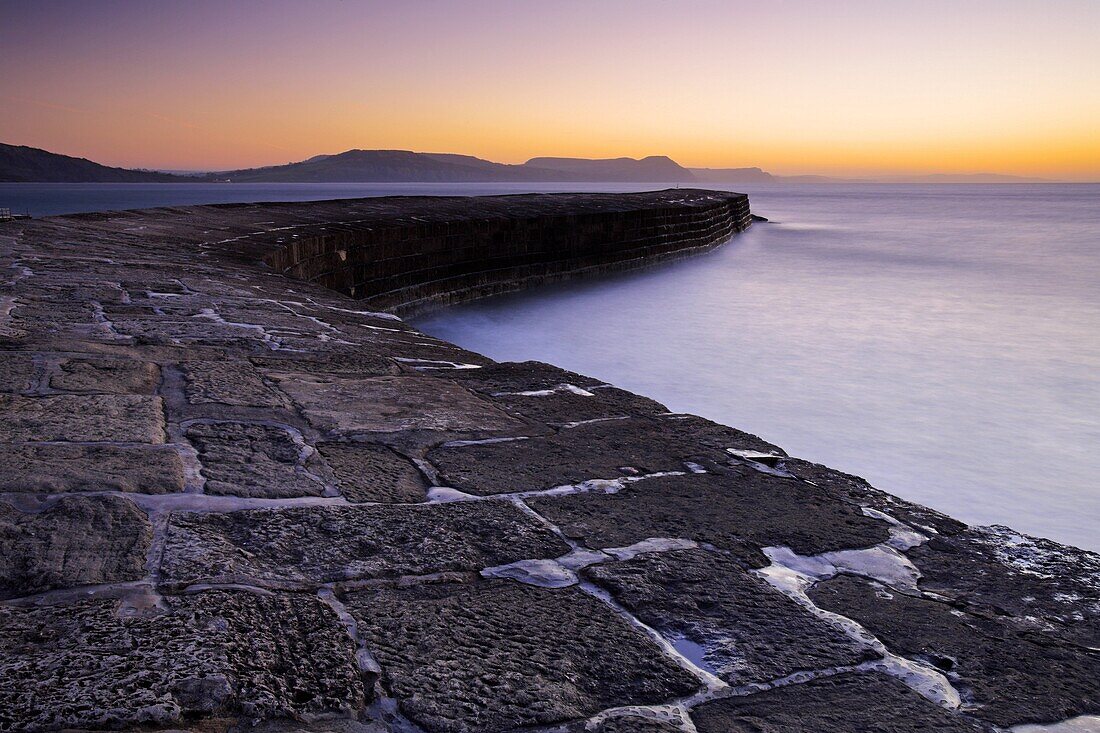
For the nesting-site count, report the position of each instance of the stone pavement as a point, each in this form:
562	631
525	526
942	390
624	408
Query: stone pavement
237	499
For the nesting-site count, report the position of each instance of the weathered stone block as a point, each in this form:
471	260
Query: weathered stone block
110	376
565	406
596	450
240	459
1010	677
331	361
748	631
859	491
1043	585
521	376
229	383
62	468
217	653
75	541
738	511
498	655
117	418
17	373
313	545
371	472
388	404
843	703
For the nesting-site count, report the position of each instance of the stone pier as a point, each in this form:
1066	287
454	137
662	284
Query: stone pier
237	492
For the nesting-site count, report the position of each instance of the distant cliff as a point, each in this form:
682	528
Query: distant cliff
732	175
22	164
407	166
655	168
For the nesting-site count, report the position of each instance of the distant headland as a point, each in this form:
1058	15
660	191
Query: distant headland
22	164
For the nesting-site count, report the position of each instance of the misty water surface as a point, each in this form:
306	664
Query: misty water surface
941	341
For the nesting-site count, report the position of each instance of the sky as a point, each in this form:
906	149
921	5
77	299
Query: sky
852	87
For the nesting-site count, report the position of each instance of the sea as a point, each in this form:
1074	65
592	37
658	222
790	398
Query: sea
942	341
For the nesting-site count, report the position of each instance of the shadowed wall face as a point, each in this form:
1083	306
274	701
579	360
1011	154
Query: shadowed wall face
411	266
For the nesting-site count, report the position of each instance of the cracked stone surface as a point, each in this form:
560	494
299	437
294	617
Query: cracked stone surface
596	450
122	418
74	541
746	510
749	632
844	703
1006	676
995	571
234	498
240	459
17	373
389	404
229	383
209	654
111	376
62	467
368	472
497	655
321	544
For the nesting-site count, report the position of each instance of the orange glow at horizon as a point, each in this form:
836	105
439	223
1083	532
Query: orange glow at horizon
863	88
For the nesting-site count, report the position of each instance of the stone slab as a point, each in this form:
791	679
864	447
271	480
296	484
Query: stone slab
107	418
859	491
214	654
739	511
229	383
75	541
106	376
390	404
1008	677
332	361
564	407
55	468
321	544
498	655
843	703
518	376
368	472
17	373
1043	585
252	460
748	631
595	450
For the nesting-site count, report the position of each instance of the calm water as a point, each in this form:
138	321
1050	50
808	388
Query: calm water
942	341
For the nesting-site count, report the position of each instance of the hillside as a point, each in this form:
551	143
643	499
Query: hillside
390	166
22	164
655	168
731	175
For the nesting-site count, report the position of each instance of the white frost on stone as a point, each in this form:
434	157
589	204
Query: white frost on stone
651	544
483	441
434	363
565	387
541	573
582	558
445	494
793	574
902	536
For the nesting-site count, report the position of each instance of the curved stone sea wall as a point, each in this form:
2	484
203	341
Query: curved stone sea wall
412	262
233	500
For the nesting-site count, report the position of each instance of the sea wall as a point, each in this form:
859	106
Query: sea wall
413	264
231	499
